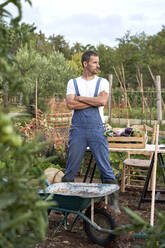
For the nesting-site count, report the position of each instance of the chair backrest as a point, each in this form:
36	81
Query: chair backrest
147	129
139	127
153	131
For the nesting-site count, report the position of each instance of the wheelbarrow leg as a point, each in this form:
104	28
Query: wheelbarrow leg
74	222
63	222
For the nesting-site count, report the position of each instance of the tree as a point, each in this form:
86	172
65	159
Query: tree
27	67
156	54
60	45
77	48
13	37
53	79
5	60
131	52
52	73
106	57
76	60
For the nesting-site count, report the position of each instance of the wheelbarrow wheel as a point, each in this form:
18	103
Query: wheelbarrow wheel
103	219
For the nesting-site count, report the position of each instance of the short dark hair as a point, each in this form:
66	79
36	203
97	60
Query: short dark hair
86	56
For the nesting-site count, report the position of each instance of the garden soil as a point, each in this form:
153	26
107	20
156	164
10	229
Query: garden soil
78	238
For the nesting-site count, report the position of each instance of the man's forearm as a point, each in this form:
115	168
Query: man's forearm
92	101
83	102
74	104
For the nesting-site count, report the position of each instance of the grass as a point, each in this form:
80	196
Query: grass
136	113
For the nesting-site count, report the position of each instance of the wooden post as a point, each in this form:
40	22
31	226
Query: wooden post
154	177
110	98
158	98
151	104
119	109
154	80
36	105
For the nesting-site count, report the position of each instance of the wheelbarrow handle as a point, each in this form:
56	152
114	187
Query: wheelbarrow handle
4	179
47	183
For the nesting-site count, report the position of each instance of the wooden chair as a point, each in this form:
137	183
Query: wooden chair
134	169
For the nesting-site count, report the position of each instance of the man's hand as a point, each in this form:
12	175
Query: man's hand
103	93
76	98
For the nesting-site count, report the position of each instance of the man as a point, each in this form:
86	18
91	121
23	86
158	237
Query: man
86	96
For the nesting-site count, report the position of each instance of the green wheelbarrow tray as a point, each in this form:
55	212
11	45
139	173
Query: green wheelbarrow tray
76	197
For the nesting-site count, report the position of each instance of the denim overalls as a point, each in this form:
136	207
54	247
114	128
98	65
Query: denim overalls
86	130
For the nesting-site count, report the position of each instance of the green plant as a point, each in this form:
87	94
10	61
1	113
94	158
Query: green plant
154	234
23	214
117	159
44	165
22	210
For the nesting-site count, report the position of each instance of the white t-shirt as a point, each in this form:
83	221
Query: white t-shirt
87	88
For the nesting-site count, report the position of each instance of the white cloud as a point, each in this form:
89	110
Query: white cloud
87	28
92	21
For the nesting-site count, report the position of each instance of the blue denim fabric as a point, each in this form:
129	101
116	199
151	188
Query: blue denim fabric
86	130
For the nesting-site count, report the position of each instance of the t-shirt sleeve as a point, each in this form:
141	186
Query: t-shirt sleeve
70	87
104	85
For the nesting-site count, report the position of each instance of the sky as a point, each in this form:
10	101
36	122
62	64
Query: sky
95	21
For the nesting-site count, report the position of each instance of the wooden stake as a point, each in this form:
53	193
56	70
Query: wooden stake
124	86
153	77
154	178
36	107
119	109
150	106
92	210
158	98
110	98
154	80
121	80
139	78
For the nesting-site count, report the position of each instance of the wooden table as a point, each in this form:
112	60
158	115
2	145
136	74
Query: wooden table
148	148
157	155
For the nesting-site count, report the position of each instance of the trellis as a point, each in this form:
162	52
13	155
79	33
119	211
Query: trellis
50	126
146	107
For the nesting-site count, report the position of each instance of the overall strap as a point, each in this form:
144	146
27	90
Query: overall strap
97	86
76	87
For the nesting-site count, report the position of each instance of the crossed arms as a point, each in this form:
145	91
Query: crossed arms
83	102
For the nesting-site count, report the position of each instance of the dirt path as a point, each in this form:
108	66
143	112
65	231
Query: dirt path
78	238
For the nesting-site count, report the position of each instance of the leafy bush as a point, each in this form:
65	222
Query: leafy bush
154	234
44	165
23	214
117	159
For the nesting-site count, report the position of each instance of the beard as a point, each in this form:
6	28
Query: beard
93	72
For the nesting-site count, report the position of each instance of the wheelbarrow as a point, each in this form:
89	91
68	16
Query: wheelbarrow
81	199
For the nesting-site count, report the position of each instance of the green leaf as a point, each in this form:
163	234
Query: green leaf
17	220
6	200
135	217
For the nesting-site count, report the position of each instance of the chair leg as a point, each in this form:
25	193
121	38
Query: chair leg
123	179
128	179
150	181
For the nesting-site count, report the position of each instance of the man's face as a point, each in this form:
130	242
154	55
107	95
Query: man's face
93	65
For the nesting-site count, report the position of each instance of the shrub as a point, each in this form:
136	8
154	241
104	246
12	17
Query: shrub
23	214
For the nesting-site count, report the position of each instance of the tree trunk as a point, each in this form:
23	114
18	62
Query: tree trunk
5	100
